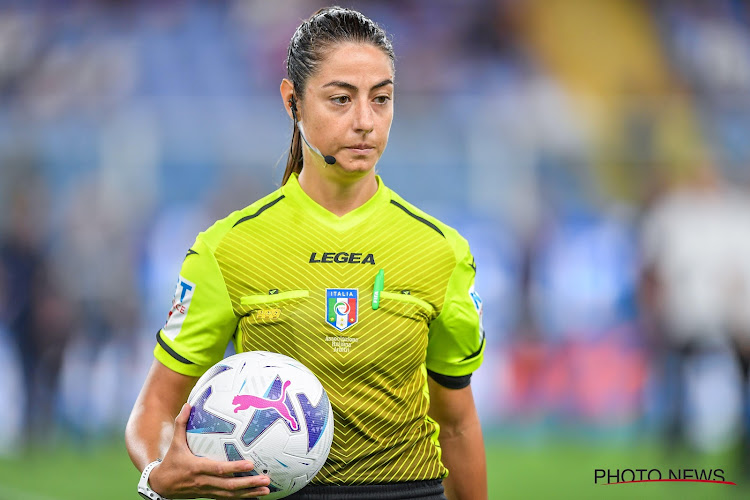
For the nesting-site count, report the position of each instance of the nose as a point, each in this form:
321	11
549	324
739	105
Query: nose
364	119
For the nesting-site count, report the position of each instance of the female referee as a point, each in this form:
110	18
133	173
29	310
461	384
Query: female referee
397	367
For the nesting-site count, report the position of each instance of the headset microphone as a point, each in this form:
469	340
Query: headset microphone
329	159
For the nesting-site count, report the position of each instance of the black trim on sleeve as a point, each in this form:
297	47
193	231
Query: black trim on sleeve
171	351
420	219
190	252
260	210
475	354
450	382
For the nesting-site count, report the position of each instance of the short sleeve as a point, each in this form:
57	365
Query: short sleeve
456	337
201	321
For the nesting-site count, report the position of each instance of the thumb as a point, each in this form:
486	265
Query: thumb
180	426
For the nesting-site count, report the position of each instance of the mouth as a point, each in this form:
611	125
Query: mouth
361	149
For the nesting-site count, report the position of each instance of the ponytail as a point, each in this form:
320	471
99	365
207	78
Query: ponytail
294	162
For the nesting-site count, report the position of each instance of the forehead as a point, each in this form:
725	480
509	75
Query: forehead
361	64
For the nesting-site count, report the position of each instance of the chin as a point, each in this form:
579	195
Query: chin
358	166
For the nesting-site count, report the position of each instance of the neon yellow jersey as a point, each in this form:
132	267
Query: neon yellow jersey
287	276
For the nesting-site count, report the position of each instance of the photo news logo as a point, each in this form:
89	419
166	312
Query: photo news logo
630	476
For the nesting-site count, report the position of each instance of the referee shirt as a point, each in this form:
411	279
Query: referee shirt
285	275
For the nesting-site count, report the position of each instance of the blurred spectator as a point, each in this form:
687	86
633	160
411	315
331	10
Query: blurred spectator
696	284
36	312
95	261
577	355
738	313
709	43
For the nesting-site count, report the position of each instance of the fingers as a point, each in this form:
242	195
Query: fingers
203	477
221	474
254	493
248	493
223	493
233	487
182	417
211	478
229	469
246	483
180	426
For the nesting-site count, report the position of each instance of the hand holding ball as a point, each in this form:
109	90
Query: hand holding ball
267	408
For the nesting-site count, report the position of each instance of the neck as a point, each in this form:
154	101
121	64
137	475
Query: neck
338	196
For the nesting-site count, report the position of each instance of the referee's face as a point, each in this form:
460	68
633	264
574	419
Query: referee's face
348	107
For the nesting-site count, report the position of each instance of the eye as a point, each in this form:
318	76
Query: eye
341	99
382	99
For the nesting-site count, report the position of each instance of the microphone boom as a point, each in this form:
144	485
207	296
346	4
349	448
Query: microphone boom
329	159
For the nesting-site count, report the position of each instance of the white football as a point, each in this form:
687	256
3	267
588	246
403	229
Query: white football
267	408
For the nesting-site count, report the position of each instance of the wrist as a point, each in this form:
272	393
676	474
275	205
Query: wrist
144	488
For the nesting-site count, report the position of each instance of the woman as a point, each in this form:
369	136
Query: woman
333	227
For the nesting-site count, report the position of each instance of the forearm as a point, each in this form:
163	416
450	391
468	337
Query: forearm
148	435
461	442
150	427
463	455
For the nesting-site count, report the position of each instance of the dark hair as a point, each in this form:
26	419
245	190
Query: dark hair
307	48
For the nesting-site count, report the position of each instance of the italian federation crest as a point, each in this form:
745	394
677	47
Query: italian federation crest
341	307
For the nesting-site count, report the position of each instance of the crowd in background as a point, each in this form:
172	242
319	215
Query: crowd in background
604	191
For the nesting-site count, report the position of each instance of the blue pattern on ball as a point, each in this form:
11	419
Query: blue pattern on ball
315	416
201	421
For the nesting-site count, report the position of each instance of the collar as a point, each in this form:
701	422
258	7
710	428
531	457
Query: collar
294	192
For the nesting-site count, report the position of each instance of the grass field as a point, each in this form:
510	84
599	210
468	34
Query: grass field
559	470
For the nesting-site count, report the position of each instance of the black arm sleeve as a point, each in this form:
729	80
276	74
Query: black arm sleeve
450	382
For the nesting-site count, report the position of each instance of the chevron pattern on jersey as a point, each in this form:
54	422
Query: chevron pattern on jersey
374	371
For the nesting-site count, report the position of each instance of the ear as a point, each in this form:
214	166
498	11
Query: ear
287	92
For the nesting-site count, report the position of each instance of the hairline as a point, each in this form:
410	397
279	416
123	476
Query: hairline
346	85
327	47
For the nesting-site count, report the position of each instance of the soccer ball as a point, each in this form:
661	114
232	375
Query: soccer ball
267	408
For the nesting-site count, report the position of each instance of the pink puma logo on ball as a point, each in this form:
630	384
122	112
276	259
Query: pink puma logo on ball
245	401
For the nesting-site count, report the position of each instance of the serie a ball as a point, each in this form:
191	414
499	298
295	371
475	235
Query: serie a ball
267	408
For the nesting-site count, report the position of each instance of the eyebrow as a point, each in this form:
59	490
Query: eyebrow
351	87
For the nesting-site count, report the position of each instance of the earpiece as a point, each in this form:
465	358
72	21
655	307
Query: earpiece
293	107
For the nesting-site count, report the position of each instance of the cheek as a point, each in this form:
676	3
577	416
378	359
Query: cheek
326	133
387	132
384	119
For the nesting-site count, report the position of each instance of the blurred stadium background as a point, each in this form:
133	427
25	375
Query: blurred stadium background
596	154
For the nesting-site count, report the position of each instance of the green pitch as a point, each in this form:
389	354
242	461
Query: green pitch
560	470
